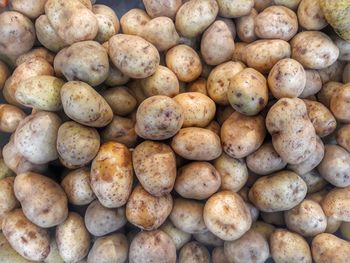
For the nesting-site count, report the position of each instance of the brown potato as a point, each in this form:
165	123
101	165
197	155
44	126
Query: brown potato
310	15
239	54
156	8
327	91
108	22
313	83
235	8
336	204
10	117
178	236
246	27
194	252
133	21
120	99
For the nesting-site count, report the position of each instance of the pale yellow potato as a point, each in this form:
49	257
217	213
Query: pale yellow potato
84	105
10	117
187	215
34	53
76	184
343	137
263	228
72	20
133	21
287	79
208	239
184	62
218	255
310	15
235	8
251	127
4	170
313	83
239	54
276	22
156	8
194	16
4	73
275	218
339	103
314	181
112	248
31	9
327	91
178	236
262	55
336	204
108	22
245	26
72	238
120	100
153	246
278	192
112	174
116	77
333	72
233	172
8	200
287	246
100	220
29	240
248	92
199	85
314	49
194	252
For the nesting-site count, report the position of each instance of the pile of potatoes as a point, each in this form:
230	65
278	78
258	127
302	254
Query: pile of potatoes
191	131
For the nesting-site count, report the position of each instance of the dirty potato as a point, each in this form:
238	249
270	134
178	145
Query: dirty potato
310	15
156	8
8	200
245	26
336	204
133	21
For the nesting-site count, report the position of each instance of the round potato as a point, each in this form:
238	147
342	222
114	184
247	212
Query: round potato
278	192
239	54
336	204
10	117
340	102
8	200
120	100
327	91
313	83
116	77
4	74
133	21
178	236
31	9
194	252
218	255
156	8
246	27
343	137
314	181
310	15
109	12
235	8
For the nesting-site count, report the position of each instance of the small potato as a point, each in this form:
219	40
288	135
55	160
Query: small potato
108	23
31	9
45	212
73	239
162	82
76	184
340	103
217	43
241	135
313	181
343	137
155	167
314	49
246	27
187	215
197	144
275	218
287	246
251	247
263	228
327	91
4	74
310	15
156	8
329	248
72	26
146	211
208	239
109	12
233	172
84	105
333	72
287	79
276	22
8	200
112	248
235	8
29	240
194	252
120	100
158	118
184	62
313	83
336	204
278	192
306	219
239	54
265	160
133	21
10	117
178	236
248	92
116	77
153	246
197	180
112	174
40	52
134	56
194	16
100	220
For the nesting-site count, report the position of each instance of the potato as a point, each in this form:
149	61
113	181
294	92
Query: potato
287	246
40	52
329	248
4	170
335	204
194	16
116	77
314	50
306	219
76	184
162	82
265	160
327	91
344	230
156	8
343	137
133	21
112	248
146	211
287	79
236	8
155	167
120	100
178	236
197	144
260	5
154	246
71	20
100	220
246	27
108	23
219	80
313	83
187	215
278	192
17	34
275	218
84	105
311	16
112	174
197	180
263	228
133	56
217	43
346	73
208	239
239	54
313	181
8	200
251	127
73	239
276	22
339	103
251	247
344	48
247	92
10	117
29	240
233	172
218	255
199	85
158	118
31	9
4	74
194	252
184	62
333	72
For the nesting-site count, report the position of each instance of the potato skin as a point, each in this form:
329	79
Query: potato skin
311	16
29	240
286	185
235	8
178	236
10	117
194	252
156	8
8	200
133	21
343	137
336	204
339	103
245	26
4	74
112	174
313	83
